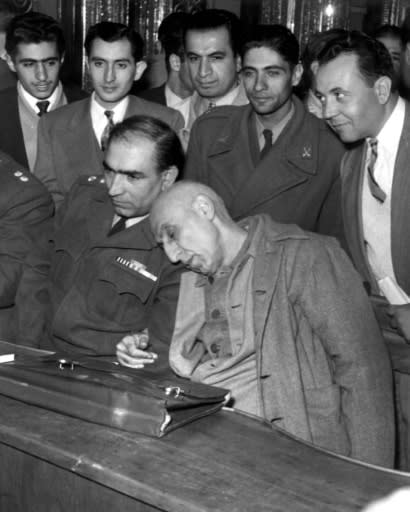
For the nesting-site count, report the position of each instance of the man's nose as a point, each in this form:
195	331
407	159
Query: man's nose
115	184
204	67
259	82
41	71
328	109
109	75
172	251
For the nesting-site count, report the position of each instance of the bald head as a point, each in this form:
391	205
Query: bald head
183	196
194	227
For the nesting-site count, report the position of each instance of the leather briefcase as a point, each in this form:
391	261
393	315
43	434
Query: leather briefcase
145	401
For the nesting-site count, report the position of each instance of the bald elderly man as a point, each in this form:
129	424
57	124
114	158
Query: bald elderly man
278	316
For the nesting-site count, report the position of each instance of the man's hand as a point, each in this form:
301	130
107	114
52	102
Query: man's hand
132	350
400	319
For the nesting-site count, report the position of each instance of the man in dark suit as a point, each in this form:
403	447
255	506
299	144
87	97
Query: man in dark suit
35	52
178	86
293	174
71	139
356	84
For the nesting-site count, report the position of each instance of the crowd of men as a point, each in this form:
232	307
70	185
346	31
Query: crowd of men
214	225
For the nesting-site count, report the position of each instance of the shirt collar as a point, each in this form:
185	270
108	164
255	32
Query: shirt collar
201	104
173	100
97	111
276	128
32	101
389	135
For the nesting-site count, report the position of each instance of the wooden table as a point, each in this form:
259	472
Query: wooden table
225	462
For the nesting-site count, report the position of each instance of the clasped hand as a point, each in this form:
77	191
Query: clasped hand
132	350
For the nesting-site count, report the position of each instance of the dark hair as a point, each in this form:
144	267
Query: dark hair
373	58
9	9
169	150
211	19
34	27
171	35
387	31
276	37
314	46
111	32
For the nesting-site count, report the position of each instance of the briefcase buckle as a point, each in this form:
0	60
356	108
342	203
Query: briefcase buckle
64	364
174	391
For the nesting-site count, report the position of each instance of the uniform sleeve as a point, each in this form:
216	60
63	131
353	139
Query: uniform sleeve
24	260
162	315
338	310
44	168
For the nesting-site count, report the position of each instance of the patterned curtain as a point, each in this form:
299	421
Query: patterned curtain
305	17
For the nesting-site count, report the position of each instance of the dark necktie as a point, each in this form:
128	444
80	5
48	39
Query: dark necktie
109	114
118	226
211	105
375	189
268	135
42	107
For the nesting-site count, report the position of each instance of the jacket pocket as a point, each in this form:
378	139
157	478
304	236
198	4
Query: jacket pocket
326	420
120	295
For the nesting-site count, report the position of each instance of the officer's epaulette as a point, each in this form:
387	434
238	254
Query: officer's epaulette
21	175
92	180
14	170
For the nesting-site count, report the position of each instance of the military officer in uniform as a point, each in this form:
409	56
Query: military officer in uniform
108	276
26	210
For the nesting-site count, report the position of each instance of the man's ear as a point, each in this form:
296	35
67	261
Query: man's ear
238	62
139	69
174	62
297	74
168	177
204	206
10	63
382	89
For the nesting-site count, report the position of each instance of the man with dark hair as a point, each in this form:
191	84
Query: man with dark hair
178	87
72	140
361	104
108	276
270	156
278	316
35	52
8	9
212	42
390	36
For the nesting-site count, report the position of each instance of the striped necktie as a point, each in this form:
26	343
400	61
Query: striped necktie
109	114
375	189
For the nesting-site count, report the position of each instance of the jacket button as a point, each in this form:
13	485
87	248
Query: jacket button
215	347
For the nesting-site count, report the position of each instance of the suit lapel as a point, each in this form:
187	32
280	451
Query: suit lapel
353	166
400	214
81	129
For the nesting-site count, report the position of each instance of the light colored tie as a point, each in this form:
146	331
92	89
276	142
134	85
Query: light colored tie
109	114
375	189
268	135
42	107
